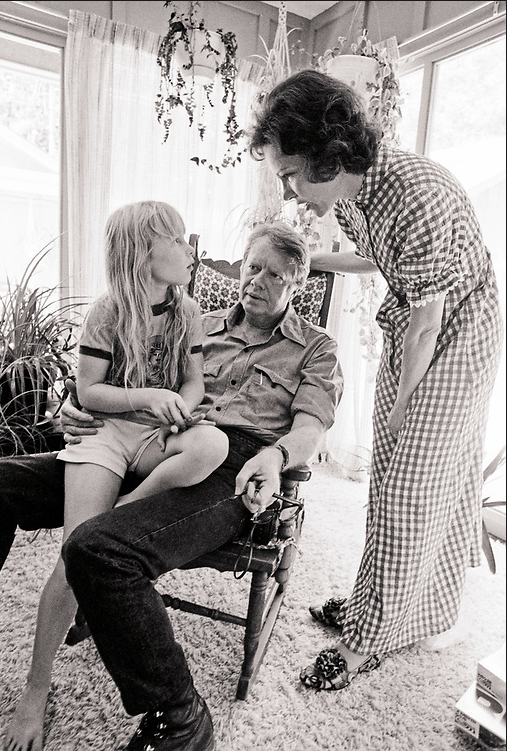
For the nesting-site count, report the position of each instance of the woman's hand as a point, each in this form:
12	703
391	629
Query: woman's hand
396	417
259	480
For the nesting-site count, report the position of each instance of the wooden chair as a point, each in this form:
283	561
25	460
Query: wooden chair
215	285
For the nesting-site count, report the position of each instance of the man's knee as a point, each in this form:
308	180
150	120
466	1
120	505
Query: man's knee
82	550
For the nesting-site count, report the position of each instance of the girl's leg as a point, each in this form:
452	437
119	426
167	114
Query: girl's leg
189	457
89	490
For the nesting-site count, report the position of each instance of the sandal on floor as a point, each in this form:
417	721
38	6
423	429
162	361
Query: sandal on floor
331	673
332	613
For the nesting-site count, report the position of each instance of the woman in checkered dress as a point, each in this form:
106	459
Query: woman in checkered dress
412	221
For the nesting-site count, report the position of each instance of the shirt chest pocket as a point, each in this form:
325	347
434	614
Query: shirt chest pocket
270	389
212	368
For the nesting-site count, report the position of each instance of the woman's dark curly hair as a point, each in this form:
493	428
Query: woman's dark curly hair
320	119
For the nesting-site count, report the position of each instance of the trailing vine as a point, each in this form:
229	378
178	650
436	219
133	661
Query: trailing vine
178	90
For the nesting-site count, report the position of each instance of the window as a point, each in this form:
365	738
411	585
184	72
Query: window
454	112
30	158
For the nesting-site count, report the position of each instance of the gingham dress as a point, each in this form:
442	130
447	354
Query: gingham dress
414	220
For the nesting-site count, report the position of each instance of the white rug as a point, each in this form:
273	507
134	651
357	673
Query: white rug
407	704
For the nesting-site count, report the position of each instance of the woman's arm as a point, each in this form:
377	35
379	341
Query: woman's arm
418	350
342	263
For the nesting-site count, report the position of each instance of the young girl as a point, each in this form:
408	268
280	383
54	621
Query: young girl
140	366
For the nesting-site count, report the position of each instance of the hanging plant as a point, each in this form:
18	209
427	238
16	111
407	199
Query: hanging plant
270	202
382	84
190	57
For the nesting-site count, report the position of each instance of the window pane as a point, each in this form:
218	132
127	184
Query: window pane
411	89
467	135
29	158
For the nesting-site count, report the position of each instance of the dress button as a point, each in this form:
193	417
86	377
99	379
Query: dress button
219	409
233	382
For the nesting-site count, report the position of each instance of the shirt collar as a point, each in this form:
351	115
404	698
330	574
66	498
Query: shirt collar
289	324
373	177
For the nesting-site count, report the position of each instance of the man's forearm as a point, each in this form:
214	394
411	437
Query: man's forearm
260	476
301	443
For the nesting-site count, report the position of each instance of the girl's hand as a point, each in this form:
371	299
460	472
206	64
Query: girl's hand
169	407
163	433
166	430
396	417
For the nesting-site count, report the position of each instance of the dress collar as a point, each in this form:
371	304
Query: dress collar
373	176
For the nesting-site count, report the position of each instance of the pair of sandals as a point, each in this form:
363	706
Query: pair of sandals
330	672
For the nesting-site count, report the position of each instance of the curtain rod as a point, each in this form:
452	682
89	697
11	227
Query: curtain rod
42	9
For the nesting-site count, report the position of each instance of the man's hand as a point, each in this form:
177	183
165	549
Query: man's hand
259	479
73	420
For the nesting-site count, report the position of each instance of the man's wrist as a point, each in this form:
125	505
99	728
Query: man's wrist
285	455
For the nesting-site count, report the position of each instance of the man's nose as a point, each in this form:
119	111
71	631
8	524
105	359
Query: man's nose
259	279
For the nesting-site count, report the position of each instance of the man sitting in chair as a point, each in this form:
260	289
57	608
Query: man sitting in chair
273	382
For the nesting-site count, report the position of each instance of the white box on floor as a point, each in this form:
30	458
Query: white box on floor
481	717
491	674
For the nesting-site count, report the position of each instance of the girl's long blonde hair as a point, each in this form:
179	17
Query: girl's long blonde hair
130	233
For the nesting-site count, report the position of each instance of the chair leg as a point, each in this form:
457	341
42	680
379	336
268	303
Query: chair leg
258	627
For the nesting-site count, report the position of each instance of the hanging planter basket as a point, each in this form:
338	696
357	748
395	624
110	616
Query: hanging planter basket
357	71
202	58
372	72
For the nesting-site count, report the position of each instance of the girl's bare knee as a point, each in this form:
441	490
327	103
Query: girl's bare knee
214	445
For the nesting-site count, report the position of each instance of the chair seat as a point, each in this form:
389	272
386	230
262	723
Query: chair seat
235	556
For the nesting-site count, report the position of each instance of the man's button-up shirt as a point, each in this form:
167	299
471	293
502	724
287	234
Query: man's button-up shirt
260	387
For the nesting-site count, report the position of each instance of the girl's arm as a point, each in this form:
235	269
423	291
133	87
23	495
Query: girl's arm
97	396
418	350
342	263
192	388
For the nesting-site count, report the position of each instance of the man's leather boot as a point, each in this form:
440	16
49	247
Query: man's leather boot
183	724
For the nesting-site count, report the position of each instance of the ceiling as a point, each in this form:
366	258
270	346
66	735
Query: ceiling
306	9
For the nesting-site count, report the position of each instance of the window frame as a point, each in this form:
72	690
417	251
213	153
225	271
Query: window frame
446	45
48	27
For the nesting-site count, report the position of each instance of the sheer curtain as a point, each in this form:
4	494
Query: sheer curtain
115	152
116	155
351	321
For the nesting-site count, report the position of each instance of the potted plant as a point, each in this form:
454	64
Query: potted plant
36	355
191	56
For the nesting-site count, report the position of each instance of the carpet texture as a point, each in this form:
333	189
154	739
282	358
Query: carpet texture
407	704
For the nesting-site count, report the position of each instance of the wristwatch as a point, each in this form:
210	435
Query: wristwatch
285	454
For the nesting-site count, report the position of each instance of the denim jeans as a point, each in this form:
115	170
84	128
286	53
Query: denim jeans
31	496
112	560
